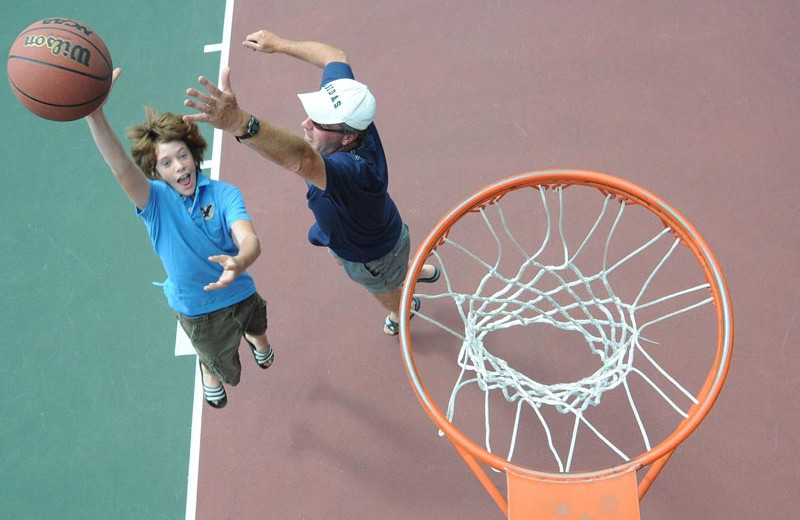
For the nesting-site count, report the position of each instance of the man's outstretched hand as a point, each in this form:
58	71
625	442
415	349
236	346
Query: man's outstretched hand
217	106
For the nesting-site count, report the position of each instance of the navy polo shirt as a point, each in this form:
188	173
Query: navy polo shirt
355	216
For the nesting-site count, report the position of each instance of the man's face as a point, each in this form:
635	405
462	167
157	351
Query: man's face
326	139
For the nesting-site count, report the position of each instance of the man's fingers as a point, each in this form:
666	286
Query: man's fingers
195	118
225	79
195	105
212	89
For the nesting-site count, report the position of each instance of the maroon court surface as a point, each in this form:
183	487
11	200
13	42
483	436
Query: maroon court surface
695	101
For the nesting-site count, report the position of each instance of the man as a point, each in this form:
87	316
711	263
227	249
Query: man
341	158
203	235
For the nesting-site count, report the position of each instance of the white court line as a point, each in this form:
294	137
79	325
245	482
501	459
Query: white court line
182	344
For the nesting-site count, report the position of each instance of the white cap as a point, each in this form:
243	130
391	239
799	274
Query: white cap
340	101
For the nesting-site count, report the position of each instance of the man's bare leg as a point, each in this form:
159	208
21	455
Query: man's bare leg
391	300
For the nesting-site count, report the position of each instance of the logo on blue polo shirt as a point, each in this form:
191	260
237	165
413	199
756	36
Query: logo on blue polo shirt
208	212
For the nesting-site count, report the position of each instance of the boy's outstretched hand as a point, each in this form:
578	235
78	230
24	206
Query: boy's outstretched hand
230	270
114	76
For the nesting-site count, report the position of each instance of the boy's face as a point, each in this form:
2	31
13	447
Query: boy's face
175	165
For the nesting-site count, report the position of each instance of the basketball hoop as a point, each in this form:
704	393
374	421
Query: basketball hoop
582	338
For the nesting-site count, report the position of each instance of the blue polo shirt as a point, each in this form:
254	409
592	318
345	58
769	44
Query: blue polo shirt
185	231
355	216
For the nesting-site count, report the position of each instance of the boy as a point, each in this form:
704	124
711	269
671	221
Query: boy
203	235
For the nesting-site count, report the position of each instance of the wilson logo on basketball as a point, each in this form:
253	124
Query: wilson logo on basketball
59	47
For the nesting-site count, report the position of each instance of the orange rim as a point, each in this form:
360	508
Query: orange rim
617	188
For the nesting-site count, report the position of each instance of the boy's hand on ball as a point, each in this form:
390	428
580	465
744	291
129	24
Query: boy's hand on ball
114	77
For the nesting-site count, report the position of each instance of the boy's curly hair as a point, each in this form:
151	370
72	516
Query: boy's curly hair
162	128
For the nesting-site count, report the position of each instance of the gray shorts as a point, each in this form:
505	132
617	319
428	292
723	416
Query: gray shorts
216	336
384	274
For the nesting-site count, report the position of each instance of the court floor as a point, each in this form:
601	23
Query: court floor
96	409
694	101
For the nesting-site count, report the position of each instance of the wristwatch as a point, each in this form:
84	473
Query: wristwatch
253	126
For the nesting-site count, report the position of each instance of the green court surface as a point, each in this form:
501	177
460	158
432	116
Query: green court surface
96	409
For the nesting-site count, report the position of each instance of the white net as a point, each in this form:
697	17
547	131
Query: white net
602	273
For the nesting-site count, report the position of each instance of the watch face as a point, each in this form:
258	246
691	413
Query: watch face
253	127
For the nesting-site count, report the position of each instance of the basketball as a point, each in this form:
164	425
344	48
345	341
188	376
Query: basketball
59	69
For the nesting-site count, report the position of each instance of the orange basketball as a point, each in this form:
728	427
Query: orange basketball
60	69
